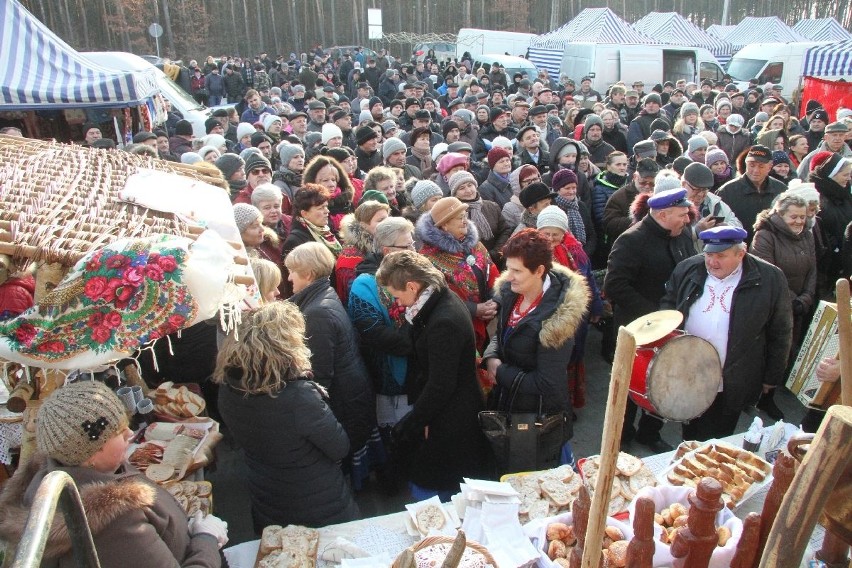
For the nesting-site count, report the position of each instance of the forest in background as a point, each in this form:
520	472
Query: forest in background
197	28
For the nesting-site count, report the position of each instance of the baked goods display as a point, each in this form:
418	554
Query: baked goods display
736	469
292	546
632	475
673	519
430	517
178	402
561	542
545	493
192	496
440	551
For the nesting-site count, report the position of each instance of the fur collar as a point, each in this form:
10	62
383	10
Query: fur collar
430	234
353	234
573	304
104	502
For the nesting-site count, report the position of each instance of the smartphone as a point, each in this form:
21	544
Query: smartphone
719	220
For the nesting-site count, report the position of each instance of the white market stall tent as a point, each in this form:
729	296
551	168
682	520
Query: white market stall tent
761	30
822	29
670	28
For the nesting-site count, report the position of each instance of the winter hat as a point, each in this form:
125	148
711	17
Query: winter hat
827	164
374	195
465	115
645	149
373	102
661	123
449	125
340	154
77	420
256	160
392	145
364	134
843	113
552	216
244	129
228	164
330	131
652	98
210	124
269	120
364	116
423	190
723	102
680	163
666	180
287	152
760	117
440	149
780	157
562	178
735	120
696	143
183	128
259	138
190	158
459	178
698	175
450	161
535	192
143	136
312	139
495	154
805	190
204	150
688	108
716	155
248	152
592	120
502	142
389	125
245	215
445	209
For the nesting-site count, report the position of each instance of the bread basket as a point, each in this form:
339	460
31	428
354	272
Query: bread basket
448	540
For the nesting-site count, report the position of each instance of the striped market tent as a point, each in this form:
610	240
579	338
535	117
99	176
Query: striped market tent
720	31
762	30
40	71
829	60
822	29
592	25
671	28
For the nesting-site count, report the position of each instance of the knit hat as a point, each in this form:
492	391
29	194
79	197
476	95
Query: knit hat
330	131
439	150
286	152
244	129
228	164
389	125
827	164
245	215
458	179
256	160
495	154
183	128
259	138
552	216
502	142
445	209
448	126
780	157
364	134
805	190
364	116
423	190
688	108
760	117
269	120
77	420
562	178
716	155
696	143
698	175
215	140
392	145
592	120
204	150
680	163
652	98
340	154
374	195
735	120
190	158
373	102
450	161
666	180
723	102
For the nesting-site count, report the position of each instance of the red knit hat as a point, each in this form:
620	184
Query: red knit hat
820	158
496	154
527	170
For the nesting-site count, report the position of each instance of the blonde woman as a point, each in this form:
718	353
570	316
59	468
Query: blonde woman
291	439
268	278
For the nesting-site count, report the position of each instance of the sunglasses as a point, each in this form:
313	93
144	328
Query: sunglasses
259	171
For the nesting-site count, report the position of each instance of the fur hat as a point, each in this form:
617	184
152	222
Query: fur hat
495	154
392	145
562	178
245	215
716	155
330	131
552	216
76	421
423	190
228	164
459	178
287	151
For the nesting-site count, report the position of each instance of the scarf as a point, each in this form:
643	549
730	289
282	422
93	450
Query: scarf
614	179
723	177
570	253
474	212
425	158
414	309
575	220
323	235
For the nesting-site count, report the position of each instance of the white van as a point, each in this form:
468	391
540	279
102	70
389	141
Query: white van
510	64
476	42
191	109
609	63
781	63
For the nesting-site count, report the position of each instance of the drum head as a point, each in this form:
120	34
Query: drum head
684	378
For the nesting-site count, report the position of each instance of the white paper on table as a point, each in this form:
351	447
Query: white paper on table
490	487
472	525
504	536
383	559
242	555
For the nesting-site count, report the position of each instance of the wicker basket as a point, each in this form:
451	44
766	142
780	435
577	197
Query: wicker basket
430	540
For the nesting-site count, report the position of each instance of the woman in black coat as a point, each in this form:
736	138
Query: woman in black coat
291	439
335	359
442	431
541	307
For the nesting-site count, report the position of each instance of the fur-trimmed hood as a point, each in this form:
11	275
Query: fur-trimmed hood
104	502
353	234
427	232
571	306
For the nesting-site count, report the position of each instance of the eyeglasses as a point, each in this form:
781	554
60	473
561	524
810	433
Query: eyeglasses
409	246
645	183
260	171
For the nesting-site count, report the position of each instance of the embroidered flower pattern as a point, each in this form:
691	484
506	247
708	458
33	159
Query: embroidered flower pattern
721	299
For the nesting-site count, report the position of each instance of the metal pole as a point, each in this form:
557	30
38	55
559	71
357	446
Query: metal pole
725	8
158	45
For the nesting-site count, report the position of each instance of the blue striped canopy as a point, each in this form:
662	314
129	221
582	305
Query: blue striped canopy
592	25
719	31
761	30
40	71
673	29
822	29
550	59
830	60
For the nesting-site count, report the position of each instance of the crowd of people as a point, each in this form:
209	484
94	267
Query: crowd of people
433	240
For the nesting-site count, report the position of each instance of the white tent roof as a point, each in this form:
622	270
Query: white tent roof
762	30
594	25
720	31
672	28
829	60
822	29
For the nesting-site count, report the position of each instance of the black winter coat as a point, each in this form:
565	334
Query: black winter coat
444	389
760	330
642	259
540	345
336	361
496	190
292	444
746	201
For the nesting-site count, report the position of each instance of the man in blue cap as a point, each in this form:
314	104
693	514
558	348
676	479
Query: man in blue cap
741	305
641	261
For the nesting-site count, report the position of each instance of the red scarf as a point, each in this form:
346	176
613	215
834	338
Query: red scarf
570	253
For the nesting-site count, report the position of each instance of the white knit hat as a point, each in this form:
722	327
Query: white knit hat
552	216
330	131
245	129
269	120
